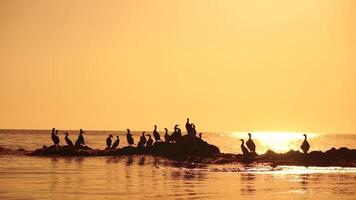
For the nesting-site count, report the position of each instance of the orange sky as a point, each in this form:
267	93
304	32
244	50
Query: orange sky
229	65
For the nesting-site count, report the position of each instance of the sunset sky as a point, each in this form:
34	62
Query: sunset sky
228	65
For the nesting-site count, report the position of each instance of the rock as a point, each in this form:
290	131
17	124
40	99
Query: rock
195	150
182	149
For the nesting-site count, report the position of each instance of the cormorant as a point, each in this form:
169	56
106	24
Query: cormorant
188	127
250	144
179	133
68	141
108	141
129	138
200	134
166	136
55	137
149	141
243	148
80	140
193	130
156	134
142	141
116	143
305	146
174	134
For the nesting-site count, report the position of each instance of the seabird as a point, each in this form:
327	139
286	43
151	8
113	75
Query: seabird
149	141
305	146
108	142
68	141
116	143
243	148
142	141
54	137
129	138
156	134
166	136
250	144
80	140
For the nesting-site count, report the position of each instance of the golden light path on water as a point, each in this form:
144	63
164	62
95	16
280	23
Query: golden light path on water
276	141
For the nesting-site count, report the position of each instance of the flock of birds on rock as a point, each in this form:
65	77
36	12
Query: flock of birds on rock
249	149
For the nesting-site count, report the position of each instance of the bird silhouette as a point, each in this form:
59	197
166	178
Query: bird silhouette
167	137
129	138
243	148
116	143
156	134
250	144
142	141
305	146
149	141
68	141
108	142
54	136
80	140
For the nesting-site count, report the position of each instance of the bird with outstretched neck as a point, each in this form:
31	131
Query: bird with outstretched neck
116	143
250	144
54	136
68	141
305	145
108	142
167	137
80	140
149	141
244	150
156	134
129	138
142	141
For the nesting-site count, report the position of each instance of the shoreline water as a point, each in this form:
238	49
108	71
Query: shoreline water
152	177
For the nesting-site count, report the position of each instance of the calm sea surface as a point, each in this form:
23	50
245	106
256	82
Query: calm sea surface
147	177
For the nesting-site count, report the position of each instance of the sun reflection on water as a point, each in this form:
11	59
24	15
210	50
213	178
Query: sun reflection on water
276	141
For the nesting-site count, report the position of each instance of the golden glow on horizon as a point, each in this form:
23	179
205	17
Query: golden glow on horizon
229	65
280	142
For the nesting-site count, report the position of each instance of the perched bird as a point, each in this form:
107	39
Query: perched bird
129	138
116	143
188	126
250	144
243	148
80	140
193	130
149	141
200	134
55	137
108	142
167	137
156	134
142	141
305	146
68	141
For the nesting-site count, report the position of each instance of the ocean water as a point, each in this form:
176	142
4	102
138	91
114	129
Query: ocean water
147	177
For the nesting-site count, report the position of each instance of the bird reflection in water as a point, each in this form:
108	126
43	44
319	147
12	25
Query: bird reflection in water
247	183
142	160
129	161
113	160
304	181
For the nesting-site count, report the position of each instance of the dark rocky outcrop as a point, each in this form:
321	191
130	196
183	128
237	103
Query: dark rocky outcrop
185	148
194	150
